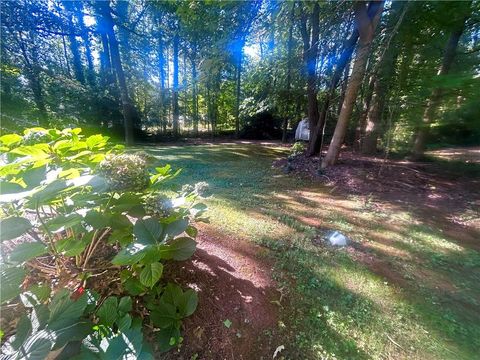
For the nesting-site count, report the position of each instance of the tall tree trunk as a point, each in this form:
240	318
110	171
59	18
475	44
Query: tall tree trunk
238	78
366	27
382	75
32	73
310	54
161	76
129	112
289	73
185	90
377	103
67	62
86	44
194	96
316	133
74	47
343	88
362	119
435	98
175	85
106	72
121	9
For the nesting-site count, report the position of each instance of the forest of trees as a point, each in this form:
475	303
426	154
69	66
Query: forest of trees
376	75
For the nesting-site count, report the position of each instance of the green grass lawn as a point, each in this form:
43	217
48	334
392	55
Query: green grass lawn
406	291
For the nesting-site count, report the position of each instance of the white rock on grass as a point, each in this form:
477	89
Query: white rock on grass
336	238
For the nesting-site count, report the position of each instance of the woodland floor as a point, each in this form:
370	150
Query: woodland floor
406	287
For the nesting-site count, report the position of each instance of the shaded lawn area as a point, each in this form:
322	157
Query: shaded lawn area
404	289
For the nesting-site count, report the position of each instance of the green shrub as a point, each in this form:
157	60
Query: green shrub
297	148
70	203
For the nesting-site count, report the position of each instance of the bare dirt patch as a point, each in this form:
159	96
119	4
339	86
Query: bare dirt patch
438	195
469	155
236	300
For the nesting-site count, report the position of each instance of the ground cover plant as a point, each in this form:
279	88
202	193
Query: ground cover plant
86	233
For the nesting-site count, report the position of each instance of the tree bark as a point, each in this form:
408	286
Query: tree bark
32	73
129	112
67	62
310	54
175	85
161	75
74	47
435	98
316	133
194	96
382	75
362	120
86	43
366	27
238	78
377	103
289	73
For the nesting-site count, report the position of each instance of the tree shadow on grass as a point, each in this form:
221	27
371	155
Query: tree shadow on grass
219	271
247	181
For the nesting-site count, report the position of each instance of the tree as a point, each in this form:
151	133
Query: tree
380	80
433	102
289	70
366	25
129	112
310	31
317	132
175	84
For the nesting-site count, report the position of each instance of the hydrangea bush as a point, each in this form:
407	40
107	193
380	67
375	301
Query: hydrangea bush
72	209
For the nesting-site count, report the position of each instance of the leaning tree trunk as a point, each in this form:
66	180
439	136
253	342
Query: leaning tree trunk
381	80
435	97
362	119
366	28
317	132
377	104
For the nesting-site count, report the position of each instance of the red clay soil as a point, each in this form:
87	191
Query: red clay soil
233	280
438	196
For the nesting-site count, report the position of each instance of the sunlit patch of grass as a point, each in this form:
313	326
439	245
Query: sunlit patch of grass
338	307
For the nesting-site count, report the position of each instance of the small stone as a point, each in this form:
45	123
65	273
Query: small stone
336	238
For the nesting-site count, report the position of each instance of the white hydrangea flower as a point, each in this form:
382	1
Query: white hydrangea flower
125	172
